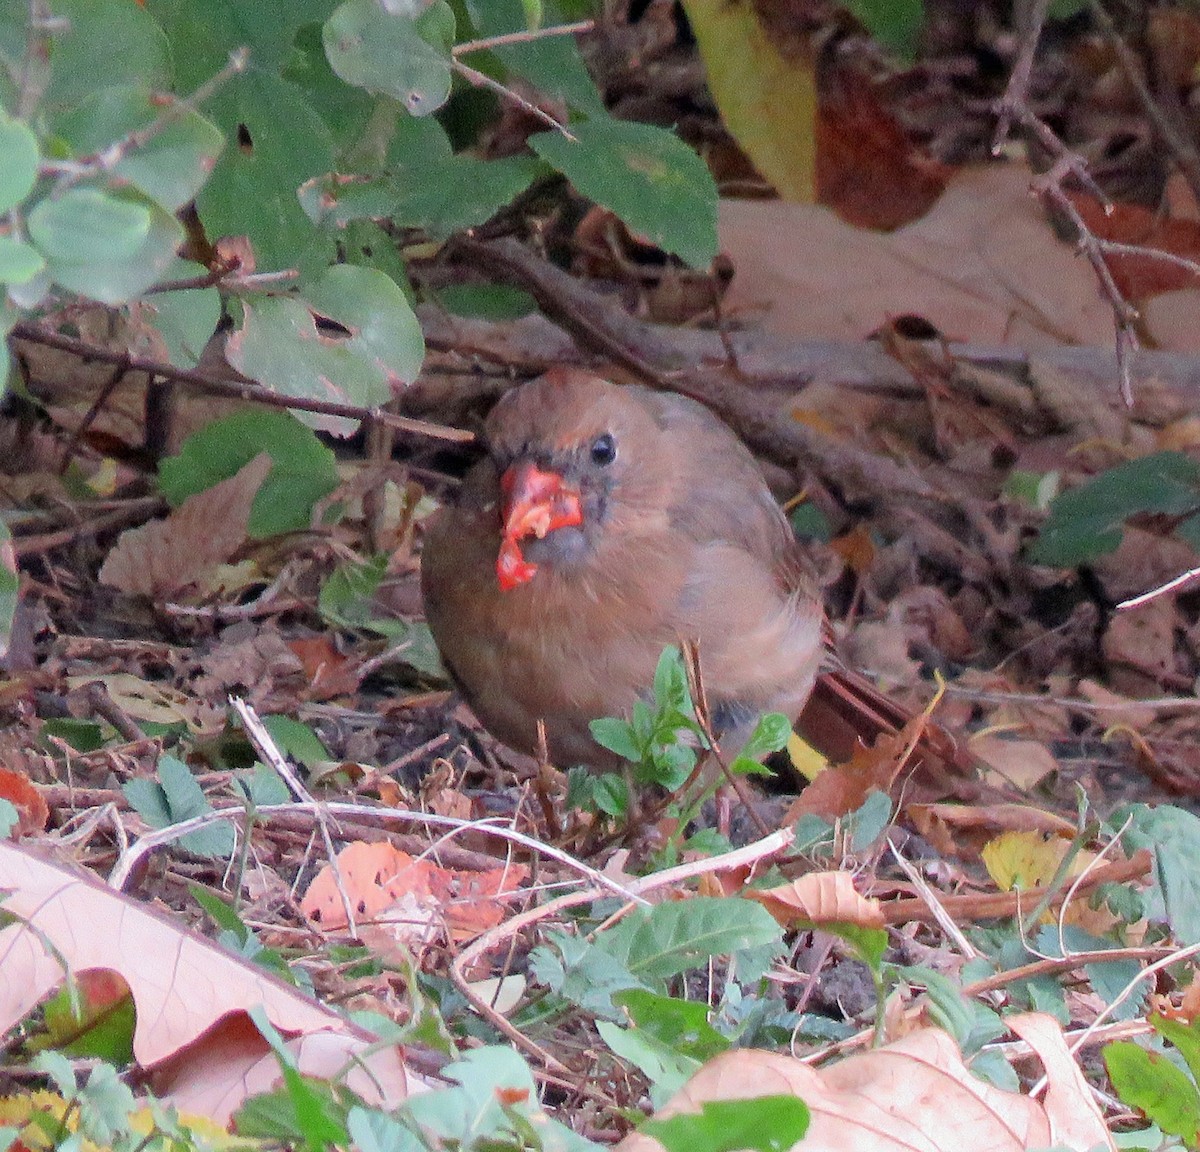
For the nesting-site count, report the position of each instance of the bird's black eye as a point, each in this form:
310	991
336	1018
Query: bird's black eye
604	449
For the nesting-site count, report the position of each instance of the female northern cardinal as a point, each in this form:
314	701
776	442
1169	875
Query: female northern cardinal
605	523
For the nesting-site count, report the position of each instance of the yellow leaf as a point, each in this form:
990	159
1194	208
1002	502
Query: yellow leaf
766	89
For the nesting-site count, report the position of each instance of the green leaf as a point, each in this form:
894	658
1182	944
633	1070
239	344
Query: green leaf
390	52
681	1024
375	1131
19	262
307	1110
277	140
1173	835
171	166
617	736
112	39
486	301
297	740
666	1069
85	226
304	470
769	735
10	818
669	939
105	1106
896	24
1085	522
1149	1082
611	795
763	1123
18	161
261	785
177	797
132	264
552	64
103	1031
281	346
1185	1037
653	181
185	319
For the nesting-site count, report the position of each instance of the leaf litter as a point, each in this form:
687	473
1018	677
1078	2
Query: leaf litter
1051	692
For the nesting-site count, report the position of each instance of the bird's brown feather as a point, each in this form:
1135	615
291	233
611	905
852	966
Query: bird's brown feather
684	543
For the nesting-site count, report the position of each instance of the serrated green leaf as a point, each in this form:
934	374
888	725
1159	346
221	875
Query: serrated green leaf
1085	522
668	939
770	735
18	161
1173	835
375	1131
653	181
384	51
617	736
177	797
304	470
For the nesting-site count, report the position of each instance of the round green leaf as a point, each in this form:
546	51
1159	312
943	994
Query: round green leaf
185	319
19	262
281	346
384	329
386	52
653	181
170	167
84	226
115	281
18	161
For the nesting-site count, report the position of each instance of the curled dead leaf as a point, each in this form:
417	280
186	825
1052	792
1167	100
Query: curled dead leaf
914	1093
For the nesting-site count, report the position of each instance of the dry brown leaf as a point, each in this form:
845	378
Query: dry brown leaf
1021	763
819	898
164	557
982	265
185	989
914	1094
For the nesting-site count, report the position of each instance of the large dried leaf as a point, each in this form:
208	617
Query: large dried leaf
914	1094
166	556
983	265
191	997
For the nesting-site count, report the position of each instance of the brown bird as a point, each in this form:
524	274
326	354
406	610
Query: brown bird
605	523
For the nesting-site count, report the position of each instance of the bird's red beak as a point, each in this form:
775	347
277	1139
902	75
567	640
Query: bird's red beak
533	503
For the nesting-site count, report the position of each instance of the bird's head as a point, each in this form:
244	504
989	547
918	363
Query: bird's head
565	446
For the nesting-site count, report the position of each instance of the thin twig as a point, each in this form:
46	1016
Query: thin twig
527	37
480	80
